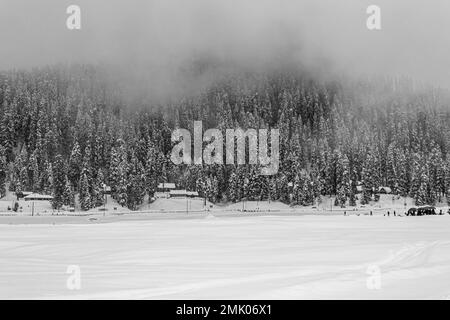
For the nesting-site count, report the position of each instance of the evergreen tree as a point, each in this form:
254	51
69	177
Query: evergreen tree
343	180
367	179
421	197
151	171
33	169
392	165
136	185
402	172
68	196
233	188
46	179
59	182
84	194
3	171
97	194
75	164
121	194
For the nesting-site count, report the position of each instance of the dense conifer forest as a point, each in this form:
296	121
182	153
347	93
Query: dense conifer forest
69	130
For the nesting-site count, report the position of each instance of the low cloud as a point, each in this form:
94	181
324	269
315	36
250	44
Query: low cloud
154	38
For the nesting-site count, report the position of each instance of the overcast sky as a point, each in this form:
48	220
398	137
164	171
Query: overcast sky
414	39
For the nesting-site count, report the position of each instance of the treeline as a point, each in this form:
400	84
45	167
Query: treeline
70	131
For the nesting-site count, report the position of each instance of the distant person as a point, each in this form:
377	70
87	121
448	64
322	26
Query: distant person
370	212
388	213
395	214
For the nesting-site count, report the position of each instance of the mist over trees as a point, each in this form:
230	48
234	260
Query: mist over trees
70	130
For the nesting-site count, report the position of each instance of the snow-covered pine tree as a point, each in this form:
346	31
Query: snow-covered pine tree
7	131
296	190
68	196
377	171
233	187
436	175
19	172
136	185
341	197
254	187
447	180
367	179
46	179
84	194
283	188
353	188
121	194
391	167
3	171
59	182
23	178
114	171
273	189
416	174
118	172
151	171
402	174
421	197
342	179
75	165
306	196
214	189
33	169
97	194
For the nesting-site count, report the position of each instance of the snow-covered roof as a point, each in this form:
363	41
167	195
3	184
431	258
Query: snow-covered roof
24	193
166	185
385	189
178	192
37	196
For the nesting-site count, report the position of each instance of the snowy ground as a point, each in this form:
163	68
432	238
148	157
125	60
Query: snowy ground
196	205
223	257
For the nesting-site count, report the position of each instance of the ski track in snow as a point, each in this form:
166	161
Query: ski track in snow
230	258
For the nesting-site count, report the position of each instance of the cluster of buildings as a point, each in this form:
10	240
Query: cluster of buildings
164	190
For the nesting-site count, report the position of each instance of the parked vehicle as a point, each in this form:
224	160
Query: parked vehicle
425	211
422	211
411	212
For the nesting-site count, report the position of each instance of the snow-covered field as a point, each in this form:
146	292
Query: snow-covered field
261	257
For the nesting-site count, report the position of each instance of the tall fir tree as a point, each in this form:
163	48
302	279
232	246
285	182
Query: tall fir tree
3	171
59	182
75	165
84	193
